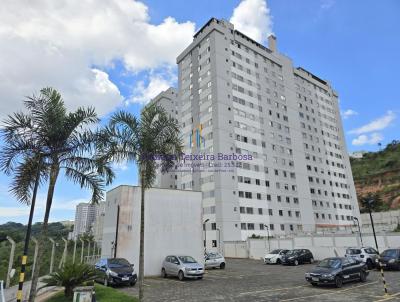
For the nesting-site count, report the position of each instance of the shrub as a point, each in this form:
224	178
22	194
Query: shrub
70	276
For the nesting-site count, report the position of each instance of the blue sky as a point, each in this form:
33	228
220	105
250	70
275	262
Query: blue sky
122	58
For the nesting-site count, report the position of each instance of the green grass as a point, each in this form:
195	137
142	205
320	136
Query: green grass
103	294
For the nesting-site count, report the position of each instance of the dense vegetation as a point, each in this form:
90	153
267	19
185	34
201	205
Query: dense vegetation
17	232
378	174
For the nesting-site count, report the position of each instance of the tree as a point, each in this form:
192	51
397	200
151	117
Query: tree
377	206
128	139
64	142
70	276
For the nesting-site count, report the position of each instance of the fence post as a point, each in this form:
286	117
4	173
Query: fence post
88	251
64	256
10	260
73	257
35	255
83	247
53	248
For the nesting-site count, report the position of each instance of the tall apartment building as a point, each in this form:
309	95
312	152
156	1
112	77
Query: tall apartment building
167	99
85	216
239	97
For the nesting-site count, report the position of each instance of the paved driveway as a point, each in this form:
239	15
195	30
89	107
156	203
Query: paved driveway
247	280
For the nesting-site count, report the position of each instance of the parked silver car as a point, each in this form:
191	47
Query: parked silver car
182	267
367	255
213	260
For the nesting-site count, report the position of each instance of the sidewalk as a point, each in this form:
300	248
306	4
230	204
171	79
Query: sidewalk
11	293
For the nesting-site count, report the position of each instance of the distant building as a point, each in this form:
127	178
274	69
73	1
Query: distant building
85	215
358	154
97	228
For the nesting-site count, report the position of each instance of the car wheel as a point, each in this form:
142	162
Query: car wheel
163	273
278	261
105	281
369	264
338	282
222	265
363	276
314	284
200	278
132	283
181	276
311	260
296	262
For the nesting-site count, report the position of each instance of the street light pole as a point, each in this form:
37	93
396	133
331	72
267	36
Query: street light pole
219	238
269	247
368	203
359	229
205	235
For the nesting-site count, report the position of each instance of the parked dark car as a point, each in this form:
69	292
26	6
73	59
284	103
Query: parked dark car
336	271
115	271
389	259
297	256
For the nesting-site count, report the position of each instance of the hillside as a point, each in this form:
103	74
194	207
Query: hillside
378	173
17	232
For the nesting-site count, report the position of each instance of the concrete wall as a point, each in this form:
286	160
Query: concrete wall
172	225
321	246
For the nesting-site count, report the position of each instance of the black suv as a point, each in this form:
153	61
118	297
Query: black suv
114	271
297	256
390	259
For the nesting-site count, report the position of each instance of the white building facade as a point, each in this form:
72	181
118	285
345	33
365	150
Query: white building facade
172	226
240	98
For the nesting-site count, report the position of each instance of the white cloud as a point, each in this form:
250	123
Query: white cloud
66	44
252	17
377	124
349	112
327	4
156	83
364	139
14	211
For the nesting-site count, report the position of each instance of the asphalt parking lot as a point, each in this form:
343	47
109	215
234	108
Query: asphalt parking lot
251	280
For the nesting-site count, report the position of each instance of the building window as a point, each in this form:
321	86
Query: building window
282	227
214	243
260	211
243	226
271	227
280	213
261	226
250	226
213	226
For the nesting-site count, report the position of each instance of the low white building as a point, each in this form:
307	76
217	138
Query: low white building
173	225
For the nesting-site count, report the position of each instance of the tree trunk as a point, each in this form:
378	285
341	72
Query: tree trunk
43	236
141	249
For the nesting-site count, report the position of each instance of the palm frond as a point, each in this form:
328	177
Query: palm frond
89	180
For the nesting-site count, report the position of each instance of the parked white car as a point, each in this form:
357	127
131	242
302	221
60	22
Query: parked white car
367	255
213	260
275	257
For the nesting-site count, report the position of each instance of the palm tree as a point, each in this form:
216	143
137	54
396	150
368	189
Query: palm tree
64	143
128	139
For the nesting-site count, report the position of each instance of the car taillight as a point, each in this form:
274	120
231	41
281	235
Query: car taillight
362	256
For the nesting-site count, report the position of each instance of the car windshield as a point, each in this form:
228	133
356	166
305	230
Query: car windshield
389	253
118	262
275	252
213	255
353	251
292	252
187	259
330	263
